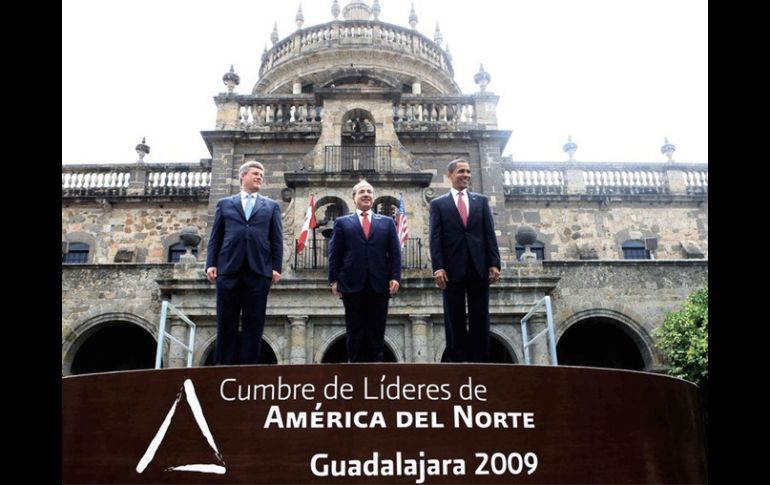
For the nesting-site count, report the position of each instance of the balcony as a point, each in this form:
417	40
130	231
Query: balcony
357	158
315	254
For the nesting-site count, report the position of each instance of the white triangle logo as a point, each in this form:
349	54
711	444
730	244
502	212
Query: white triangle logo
195	407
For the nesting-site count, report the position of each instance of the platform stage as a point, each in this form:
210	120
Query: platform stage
381	423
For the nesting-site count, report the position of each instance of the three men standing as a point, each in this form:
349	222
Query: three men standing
364	270
245	253
466	260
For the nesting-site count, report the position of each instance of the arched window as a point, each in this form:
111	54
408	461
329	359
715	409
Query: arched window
634	249
175	251
537	247
386	206
77	253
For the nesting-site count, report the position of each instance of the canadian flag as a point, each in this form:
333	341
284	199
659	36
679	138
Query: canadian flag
308	224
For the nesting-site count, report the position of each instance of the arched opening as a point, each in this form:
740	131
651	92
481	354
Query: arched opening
498	352
358	141
386	206
266	355
358	128
327	210
115	346
599	342
337	353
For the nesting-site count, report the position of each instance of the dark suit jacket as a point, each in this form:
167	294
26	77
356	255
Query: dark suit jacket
258	241
354	260
453	247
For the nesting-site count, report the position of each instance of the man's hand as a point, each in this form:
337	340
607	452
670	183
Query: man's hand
494	274
394	287
336	293
441	279
211	274
276	277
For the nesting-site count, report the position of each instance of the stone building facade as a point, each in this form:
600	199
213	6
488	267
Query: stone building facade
359	98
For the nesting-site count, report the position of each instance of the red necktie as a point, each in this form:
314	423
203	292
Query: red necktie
462	209
366	224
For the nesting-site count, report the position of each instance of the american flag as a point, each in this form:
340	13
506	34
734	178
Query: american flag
402	227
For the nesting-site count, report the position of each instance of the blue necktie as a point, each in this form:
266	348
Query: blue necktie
249	205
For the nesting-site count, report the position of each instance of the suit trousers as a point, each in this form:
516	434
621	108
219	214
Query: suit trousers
467	343
240	294
365	316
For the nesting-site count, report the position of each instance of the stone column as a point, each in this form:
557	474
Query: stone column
490	181
297	339
419	337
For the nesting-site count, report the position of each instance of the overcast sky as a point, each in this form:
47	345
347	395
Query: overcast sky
617	75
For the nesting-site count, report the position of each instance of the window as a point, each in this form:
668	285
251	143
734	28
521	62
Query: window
77	253
634	249
175	251
537	247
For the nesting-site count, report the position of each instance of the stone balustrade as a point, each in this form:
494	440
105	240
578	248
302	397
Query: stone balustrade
297	113
442	113
632	181
340	33
132	180
300	112
534	181
95	182
605	178
696	181
169	181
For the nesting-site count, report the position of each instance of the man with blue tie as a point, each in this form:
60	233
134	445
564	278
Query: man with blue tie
466	260
364	270
245	253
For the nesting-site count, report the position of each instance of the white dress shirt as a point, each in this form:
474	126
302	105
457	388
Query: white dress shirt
243	199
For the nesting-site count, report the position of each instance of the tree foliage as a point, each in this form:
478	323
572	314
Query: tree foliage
684	338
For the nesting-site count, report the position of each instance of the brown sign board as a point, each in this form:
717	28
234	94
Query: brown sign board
381	423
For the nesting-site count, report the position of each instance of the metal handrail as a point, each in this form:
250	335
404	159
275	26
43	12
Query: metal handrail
546	300
162	334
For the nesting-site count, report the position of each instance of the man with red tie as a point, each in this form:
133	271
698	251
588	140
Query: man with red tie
466	260
364	270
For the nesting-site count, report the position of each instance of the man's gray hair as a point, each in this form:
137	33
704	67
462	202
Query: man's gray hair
246	166
451	166
362	182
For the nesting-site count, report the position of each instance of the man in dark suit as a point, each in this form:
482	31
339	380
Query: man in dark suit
364	270
466	260
244	259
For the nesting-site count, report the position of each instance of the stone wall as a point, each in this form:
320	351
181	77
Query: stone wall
590	230
144	230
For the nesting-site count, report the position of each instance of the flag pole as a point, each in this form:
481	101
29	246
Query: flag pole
315	256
